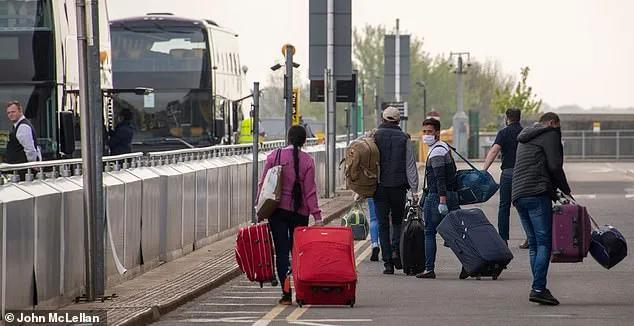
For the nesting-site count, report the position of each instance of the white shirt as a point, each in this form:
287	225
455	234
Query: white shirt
25	138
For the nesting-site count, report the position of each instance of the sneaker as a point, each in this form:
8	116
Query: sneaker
287	299
375	254
543	297
426	274
524	245
396	259
389	269
463	274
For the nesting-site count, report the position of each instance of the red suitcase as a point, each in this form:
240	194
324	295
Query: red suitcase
323	266
254	253
571	233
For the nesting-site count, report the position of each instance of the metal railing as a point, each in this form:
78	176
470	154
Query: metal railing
72	167
605	144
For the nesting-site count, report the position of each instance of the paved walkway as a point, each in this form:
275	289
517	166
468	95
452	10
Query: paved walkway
150	295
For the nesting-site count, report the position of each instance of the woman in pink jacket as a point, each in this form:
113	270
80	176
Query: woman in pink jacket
299	200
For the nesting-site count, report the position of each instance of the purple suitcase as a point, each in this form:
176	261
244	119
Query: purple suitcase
571	233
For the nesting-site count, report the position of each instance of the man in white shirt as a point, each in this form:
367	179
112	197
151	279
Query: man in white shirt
22	146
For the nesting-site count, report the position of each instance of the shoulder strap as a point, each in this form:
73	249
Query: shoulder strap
277	157
462	157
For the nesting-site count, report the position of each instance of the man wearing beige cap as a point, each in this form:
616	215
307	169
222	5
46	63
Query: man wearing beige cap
397	174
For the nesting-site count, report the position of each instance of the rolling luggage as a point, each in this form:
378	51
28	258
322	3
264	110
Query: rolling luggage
571	233
355	219
475	242
323	266
608	246
413	241
254	253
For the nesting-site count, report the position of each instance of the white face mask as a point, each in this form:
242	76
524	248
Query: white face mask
429	139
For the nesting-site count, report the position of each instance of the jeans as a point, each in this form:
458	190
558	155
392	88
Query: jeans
390	200
374	224
536	214
282	224
504	209
432	219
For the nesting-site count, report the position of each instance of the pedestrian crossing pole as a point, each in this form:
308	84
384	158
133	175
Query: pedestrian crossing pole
255	112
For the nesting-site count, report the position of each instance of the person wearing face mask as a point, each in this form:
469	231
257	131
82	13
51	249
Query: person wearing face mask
506	142
397	174
440	195
537	175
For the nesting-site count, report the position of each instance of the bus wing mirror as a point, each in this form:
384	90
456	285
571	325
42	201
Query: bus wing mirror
143	91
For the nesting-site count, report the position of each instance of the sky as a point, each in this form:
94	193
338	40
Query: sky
581	52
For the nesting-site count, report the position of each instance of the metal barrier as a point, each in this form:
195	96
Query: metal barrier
159	206
605	144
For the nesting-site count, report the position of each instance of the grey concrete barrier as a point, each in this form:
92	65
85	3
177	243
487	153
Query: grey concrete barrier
159	206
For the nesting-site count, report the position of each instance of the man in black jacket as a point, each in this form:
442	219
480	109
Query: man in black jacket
120	139
397	174
537	175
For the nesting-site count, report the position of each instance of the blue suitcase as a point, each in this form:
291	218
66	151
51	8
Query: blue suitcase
475	242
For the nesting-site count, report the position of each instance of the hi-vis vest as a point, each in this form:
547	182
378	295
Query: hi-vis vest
246	137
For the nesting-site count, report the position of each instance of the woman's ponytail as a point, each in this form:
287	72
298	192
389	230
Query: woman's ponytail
297	138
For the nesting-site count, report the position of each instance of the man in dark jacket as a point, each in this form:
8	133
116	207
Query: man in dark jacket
537	175
506	142
120	141
397	174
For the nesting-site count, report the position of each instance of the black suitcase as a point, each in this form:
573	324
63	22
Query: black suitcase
475	242
413	241
608	246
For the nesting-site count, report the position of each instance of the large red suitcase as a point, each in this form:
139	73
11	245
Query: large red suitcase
323	266
254	253
571	233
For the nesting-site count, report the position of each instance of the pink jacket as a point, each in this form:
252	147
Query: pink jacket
310	205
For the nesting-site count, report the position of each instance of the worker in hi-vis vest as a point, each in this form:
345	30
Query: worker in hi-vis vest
246	132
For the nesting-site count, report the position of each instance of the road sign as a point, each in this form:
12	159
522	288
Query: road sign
295	106
390	67
346	90
318	36
401	106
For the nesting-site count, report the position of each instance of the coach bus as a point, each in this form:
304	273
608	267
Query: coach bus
194	69
40	68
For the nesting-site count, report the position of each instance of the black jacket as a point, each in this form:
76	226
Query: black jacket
120	141
539	163
392	144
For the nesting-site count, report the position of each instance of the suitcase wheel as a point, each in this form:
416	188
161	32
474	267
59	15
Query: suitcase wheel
261	285
274	282
300	303
478	278
350	303
495	277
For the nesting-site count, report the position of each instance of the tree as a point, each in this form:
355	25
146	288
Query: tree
521	97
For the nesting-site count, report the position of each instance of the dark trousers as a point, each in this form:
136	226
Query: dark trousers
282	224
504	209
390	200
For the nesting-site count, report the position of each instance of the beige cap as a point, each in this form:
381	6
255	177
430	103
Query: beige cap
391	114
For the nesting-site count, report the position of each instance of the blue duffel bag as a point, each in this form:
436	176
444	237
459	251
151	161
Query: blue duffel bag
474	186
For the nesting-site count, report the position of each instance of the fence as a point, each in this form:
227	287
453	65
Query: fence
158	206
